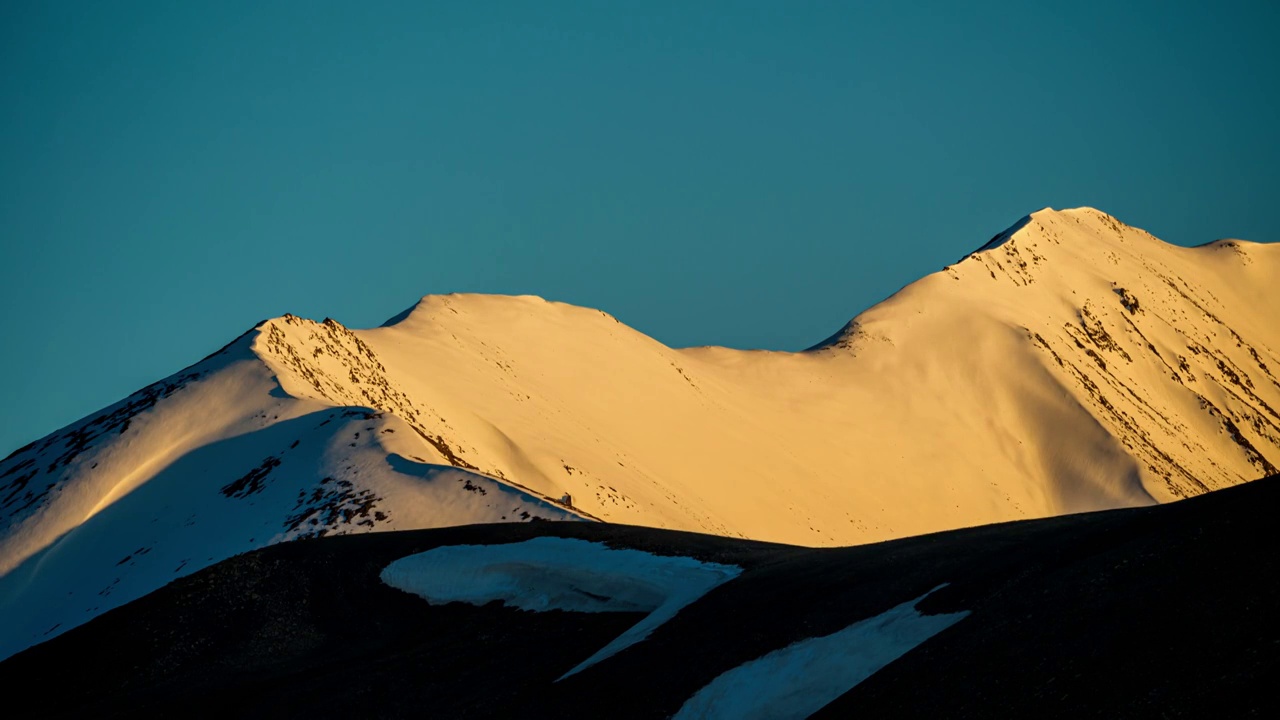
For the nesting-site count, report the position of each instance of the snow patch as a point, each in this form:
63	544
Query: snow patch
550	573
803	677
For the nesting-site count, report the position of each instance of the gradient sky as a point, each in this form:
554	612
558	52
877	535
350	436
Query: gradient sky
736	173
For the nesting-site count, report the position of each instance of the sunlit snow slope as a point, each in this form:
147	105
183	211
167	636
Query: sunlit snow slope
1072	363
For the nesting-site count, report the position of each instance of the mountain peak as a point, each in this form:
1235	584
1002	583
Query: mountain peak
1042	220
437	304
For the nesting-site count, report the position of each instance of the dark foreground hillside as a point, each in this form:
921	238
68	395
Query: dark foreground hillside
1159	612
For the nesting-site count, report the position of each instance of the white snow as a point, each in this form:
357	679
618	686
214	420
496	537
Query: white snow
800	679
550	573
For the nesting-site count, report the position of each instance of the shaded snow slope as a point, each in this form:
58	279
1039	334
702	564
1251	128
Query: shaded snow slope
209	463
1073	363
551	573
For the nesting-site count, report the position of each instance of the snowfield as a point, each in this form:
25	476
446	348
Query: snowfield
800	679
1073	363
551	573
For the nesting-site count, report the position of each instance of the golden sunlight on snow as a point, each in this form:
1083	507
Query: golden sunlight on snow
1074	364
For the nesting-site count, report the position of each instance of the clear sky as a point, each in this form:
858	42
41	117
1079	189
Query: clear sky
736	173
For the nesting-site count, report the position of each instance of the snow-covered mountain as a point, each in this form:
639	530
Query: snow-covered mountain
1072	363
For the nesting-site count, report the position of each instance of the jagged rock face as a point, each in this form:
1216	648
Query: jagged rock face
1072	363
332	364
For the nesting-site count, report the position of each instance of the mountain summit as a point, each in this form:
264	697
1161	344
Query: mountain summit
1073	363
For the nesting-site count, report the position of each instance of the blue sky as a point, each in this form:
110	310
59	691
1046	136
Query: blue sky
738	173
